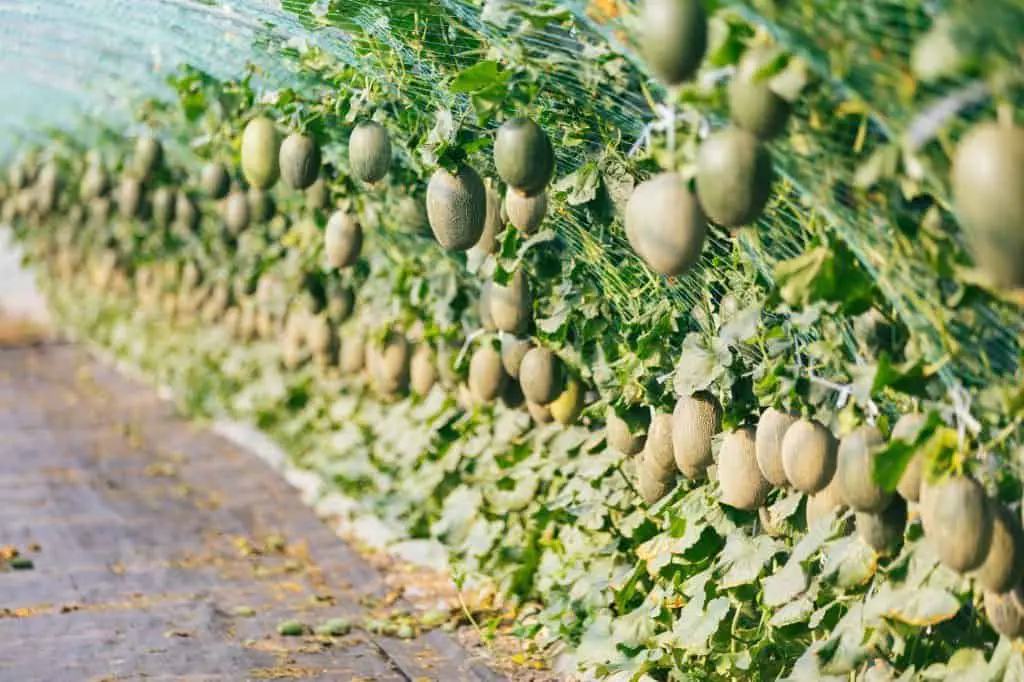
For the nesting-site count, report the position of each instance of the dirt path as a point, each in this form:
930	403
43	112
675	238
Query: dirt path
159	551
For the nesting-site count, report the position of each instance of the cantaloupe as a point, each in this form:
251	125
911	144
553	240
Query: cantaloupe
148	156
391	365
164	202
541	376
665	224
659	449
906	429
625	438
512	351
493	225
186	215
1005	611
883	531
651	481
261	147
958	521
695	421
526	213
352	359
753	105
236	212
739	476
317	195
523	156
809	453
343	239
987	179
129	197
486	375
734	177
824	502
540	413
1003	567
456	207
512	304
422	372
770	430
855	469
369	151
299	161
215	180
673	37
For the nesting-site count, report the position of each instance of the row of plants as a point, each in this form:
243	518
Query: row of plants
667	397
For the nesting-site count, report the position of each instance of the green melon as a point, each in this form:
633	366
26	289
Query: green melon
260	152
883	531
957	519
299	161
523	156
1003	567
422	371
186	215
734	177
512	351
695	421
809	456
568	406
739	476
343	239
540	413
129	197
673	37
391	365
215	180
753	105
149	155
456	207
987	179
627	439
1006	612
164	202
526	213
261	205
540	375
855	470
651	482
236	212
511	304
906	429
771	429
369	151
486	375
665	224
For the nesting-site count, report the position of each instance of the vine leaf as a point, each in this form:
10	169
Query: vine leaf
700	364
696	624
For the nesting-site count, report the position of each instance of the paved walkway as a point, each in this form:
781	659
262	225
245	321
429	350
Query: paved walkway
162	552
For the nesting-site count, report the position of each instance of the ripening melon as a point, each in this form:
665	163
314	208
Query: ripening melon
261	205
665	224
317	195
95	182
540	413
623	437
1006	611
540	375
456	207
343	239
771	429
164	201
739	476
299	161
129	197
987	179
149	154
753	105
957	519
236	212
215	180
809	456
493	225
855	469
390	365
484	307
511	304
369	151
512	351
1003	567
568	406
906	429
824	502
353	353
659	448
734	177
526	213
261	148
523	156
319	334
883	531
673	37
651	481
486	375
422	371
695	421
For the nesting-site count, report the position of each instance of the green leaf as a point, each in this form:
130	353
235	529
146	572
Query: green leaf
700	364
786	584
744	558
477	77
580	187
913	605
695	625
893	458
